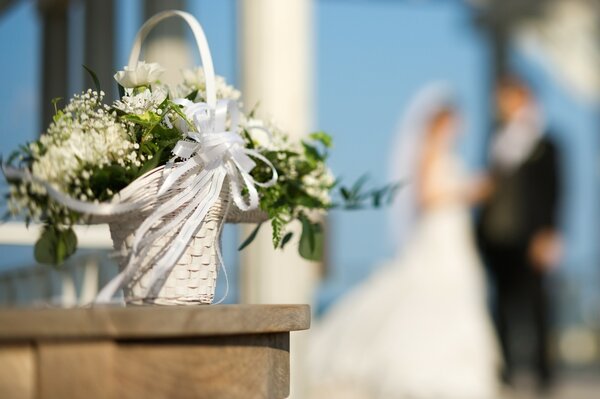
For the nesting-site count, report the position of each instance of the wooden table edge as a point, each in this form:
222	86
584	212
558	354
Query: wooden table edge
150	322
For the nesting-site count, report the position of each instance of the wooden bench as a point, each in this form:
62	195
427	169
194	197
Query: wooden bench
222	351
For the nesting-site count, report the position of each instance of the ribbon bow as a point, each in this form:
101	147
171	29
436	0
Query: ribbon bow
212	151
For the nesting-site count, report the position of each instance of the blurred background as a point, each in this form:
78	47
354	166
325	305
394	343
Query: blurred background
348	67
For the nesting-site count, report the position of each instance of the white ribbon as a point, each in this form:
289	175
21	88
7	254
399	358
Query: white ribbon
210	154
85	207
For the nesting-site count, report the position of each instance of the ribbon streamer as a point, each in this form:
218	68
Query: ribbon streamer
210	154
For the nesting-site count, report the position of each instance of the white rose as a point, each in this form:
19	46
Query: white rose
142	75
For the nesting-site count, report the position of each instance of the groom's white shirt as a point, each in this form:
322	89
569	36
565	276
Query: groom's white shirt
515	141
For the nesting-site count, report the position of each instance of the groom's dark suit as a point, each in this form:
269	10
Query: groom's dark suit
524	203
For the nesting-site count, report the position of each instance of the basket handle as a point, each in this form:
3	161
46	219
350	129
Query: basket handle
201	42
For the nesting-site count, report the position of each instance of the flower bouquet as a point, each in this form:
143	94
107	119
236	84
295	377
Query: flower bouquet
165	167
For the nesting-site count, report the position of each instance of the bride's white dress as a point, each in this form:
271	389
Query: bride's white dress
418	328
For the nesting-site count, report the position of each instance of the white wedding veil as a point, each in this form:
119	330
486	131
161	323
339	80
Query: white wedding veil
406	154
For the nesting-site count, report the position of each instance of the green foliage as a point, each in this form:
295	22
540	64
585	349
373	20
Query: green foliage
55	245
93	76
55	102
288	200
286	238
251	237
357	197
322	138
112	177
192	96
121	90
312	239
292	199
156	141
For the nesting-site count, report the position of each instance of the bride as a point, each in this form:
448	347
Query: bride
418	328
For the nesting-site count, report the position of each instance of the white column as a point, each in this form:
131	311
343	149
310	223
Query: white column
276	52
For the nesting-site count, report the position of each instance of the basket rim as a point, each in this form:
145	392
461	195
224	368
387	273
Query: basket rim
234	214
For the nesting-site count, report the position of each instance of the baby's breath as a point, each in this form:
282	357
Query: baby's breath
83	134
142	102
91	151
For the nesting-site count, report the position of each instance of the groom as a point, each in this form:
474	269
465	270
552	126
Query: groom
517	229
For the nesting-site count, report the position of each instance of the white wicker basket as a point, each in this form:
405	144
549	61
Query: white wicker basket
192	280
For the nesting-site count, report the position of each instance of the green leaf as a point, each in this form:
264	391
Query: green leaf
385	195
308	201
309	233
345	193
192	95
249	143
114	177
55	101
151	163
45	247
286	238
378	196
11	158
54	246
177	109
357	197
277	225
311	240
61	251
393	191
254	109
69	238
93	76
251	237
311	152
323	138
147	119
121	90
357	187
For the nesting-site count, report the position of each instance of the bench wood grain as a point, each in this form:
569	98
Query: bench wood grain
228	351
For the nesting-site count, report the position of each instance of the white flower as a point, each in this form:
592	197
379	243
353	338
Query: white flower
142	75
142	102
84	136
318	184
267	135
193	79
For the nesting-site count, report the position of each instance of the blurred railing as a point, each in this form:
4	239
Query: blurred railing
74	283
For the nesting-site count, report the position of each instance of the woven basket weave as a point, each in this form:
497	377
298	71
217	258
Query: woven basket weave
193	279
